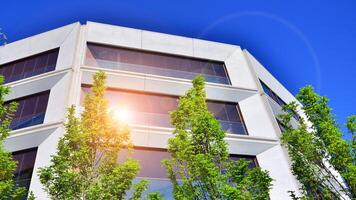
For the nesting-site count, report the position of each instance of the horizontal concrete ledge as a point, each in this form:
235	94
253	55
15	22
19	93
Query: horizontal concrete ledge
35	128
179	80
35	84
158	42
30	137
156	137
37	77
165	85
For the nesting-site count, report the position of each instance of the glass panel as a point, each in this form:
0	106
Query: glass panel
252	159
153	109
29	106
218	110
271	94
155	63
17	72
7	71
151	168
31	110
277	99
25	163
30	66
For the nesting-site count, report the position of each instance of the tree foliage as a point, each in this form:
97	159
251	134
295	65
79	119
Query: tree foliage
8	188
317	150
3	38
351	126
86	164
199	167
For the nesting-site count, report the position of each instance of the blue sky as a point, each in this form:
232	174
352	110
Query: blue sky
299	42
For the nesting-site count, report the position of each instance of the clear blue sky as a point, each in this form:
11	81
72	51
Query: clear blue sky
299	42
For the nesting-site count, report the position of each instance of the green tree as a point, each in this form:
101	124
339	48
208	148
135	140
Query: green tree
86	164
8	188
3	38
318	149
351	125
199	167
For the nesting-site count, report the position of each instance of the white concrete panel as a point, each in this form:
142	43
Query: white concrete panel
117	80
157	85
139	137
47	148
213	50
35	44
67	49
269	79
165	85
241	145
28	137
256	117
239	72
113	35
57	102
167	43
275	162
227	94
34	84
156	137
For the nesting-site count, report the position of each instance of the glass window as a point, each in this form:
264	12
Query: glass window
150	160
25	163
30	66
155	63
153	109
282	127
276	98
30	111
271	94
252	159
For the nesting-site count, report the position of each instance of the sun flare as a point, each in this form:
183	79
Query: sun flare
121	114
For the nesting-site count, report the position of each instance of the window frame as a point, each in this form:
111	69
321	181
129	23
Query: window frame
33	59
235	104
213	63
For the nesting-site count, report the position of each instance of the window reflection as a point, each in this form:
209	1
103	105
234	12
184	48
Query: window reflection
276	98
25	163
31	66
155	63
30	110
151	168
153	109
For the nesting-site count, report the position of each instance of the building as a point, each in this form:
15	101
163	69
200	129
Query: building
51	71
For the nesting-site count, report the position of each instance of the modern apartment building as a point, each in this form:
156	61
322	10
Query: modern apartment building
147	72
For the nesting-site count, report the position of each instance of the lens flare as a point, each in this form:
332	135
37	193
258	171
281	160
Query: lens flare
121	114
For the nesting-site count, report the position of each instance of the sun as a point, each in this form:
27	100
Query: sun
121	114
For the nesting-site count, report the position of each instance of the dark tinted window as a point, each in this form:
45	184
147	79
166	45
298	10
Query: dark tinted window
281	126
252	159
271	94
25	163
30	66
30	111
155	63
276	98
153	109
150	160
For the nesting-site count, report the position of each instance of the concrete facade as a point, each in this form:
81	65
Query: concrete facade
244	71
